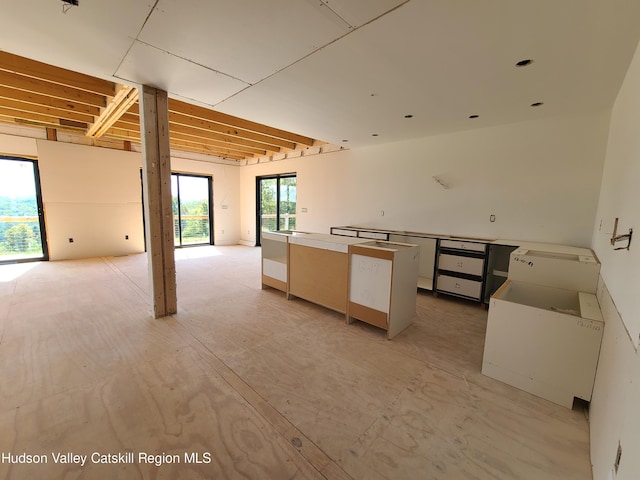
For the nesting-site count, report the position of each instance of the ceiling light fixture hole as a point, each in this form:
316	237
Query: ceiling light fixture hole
537	104
524	63
474	116
408	116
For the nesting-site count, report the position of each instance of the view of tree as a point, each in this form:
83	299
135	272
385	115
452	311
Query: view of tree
19	236
195	221
268	205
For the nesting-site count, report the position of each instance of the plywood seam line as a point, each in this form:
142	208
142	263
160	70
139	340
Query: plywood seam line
316	459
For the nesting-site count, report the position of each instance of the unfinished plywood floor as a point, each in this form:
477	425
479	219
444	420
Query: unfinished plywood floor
270	388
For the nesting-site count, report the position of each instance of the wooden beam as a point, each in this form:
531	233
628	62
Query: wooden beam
44	110
187	146
41	120
52	134
45	100
61	76
117	106
211	115
229	131
230	141
34	85
156	172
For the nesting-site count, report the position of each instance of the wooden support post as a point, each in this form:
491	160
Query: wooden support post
156	174
52	134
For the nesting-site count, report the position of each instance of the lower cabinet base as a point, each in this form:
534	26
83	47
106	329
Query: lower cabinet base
274	283
368	315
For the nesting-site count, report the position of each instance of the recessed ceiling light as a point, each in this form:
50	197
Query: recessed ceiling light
474	116
537	104
374	134
408	116
345	140
524	63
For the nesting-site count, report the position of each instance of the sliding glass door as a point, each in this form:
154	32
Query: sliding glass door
276	203
22	233
192	218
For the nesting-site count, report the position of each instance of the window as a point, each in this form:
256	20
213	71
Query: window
22	232
192	218
276	203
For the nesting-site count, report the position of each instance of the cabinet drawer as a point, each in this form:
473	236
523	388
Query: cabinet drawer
457	263
459	286
374	235
461	245
344	232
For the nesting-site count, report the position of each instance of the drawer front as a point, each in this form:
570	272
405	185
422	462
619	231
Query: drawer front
461	245
374	235
456	263
459	286
343	232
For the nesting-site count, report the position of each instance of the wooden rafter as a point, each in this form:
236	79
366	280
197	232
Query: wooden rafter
31	68
36	94
117	106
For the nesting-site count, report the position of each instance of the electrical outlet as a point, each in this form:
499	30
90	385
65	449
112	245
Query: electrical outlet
70	240
126	237
221	232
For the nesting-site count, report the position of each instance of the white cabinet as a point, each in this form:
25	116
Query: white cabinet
461	287
428	247
461	264
274	260
382	284
562	270
460	268
544	327
544	340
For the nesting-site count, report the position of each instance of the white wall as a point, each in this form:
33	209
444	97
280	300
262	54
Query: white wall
541	179
93	195
615	417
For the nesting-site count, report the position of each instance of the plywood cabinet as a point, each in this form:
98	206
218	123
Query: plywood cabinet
319	269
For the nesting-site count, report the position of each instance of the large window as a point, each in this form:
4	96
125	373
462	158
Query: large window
192	219
22	233
276	203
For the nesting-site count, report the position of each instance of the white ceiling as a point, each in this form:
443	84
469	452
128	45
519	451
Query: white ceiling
346	69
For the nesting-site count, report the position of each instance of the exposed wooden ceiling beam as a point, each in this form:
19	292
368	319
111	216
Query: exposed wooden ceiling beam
36	94
44	110
45	100
230	132
176	144
211	115
34	85
133	134
31	68
118	105
23	118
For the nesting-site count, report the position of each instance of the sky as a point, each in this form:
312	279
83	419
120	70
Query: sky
16	179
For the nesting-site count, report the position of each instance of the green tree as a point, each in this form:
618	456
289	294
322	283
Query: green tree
19	238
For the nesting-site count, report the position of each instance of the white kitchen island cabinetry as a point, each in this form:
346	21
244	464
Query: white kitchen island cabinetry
382	284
